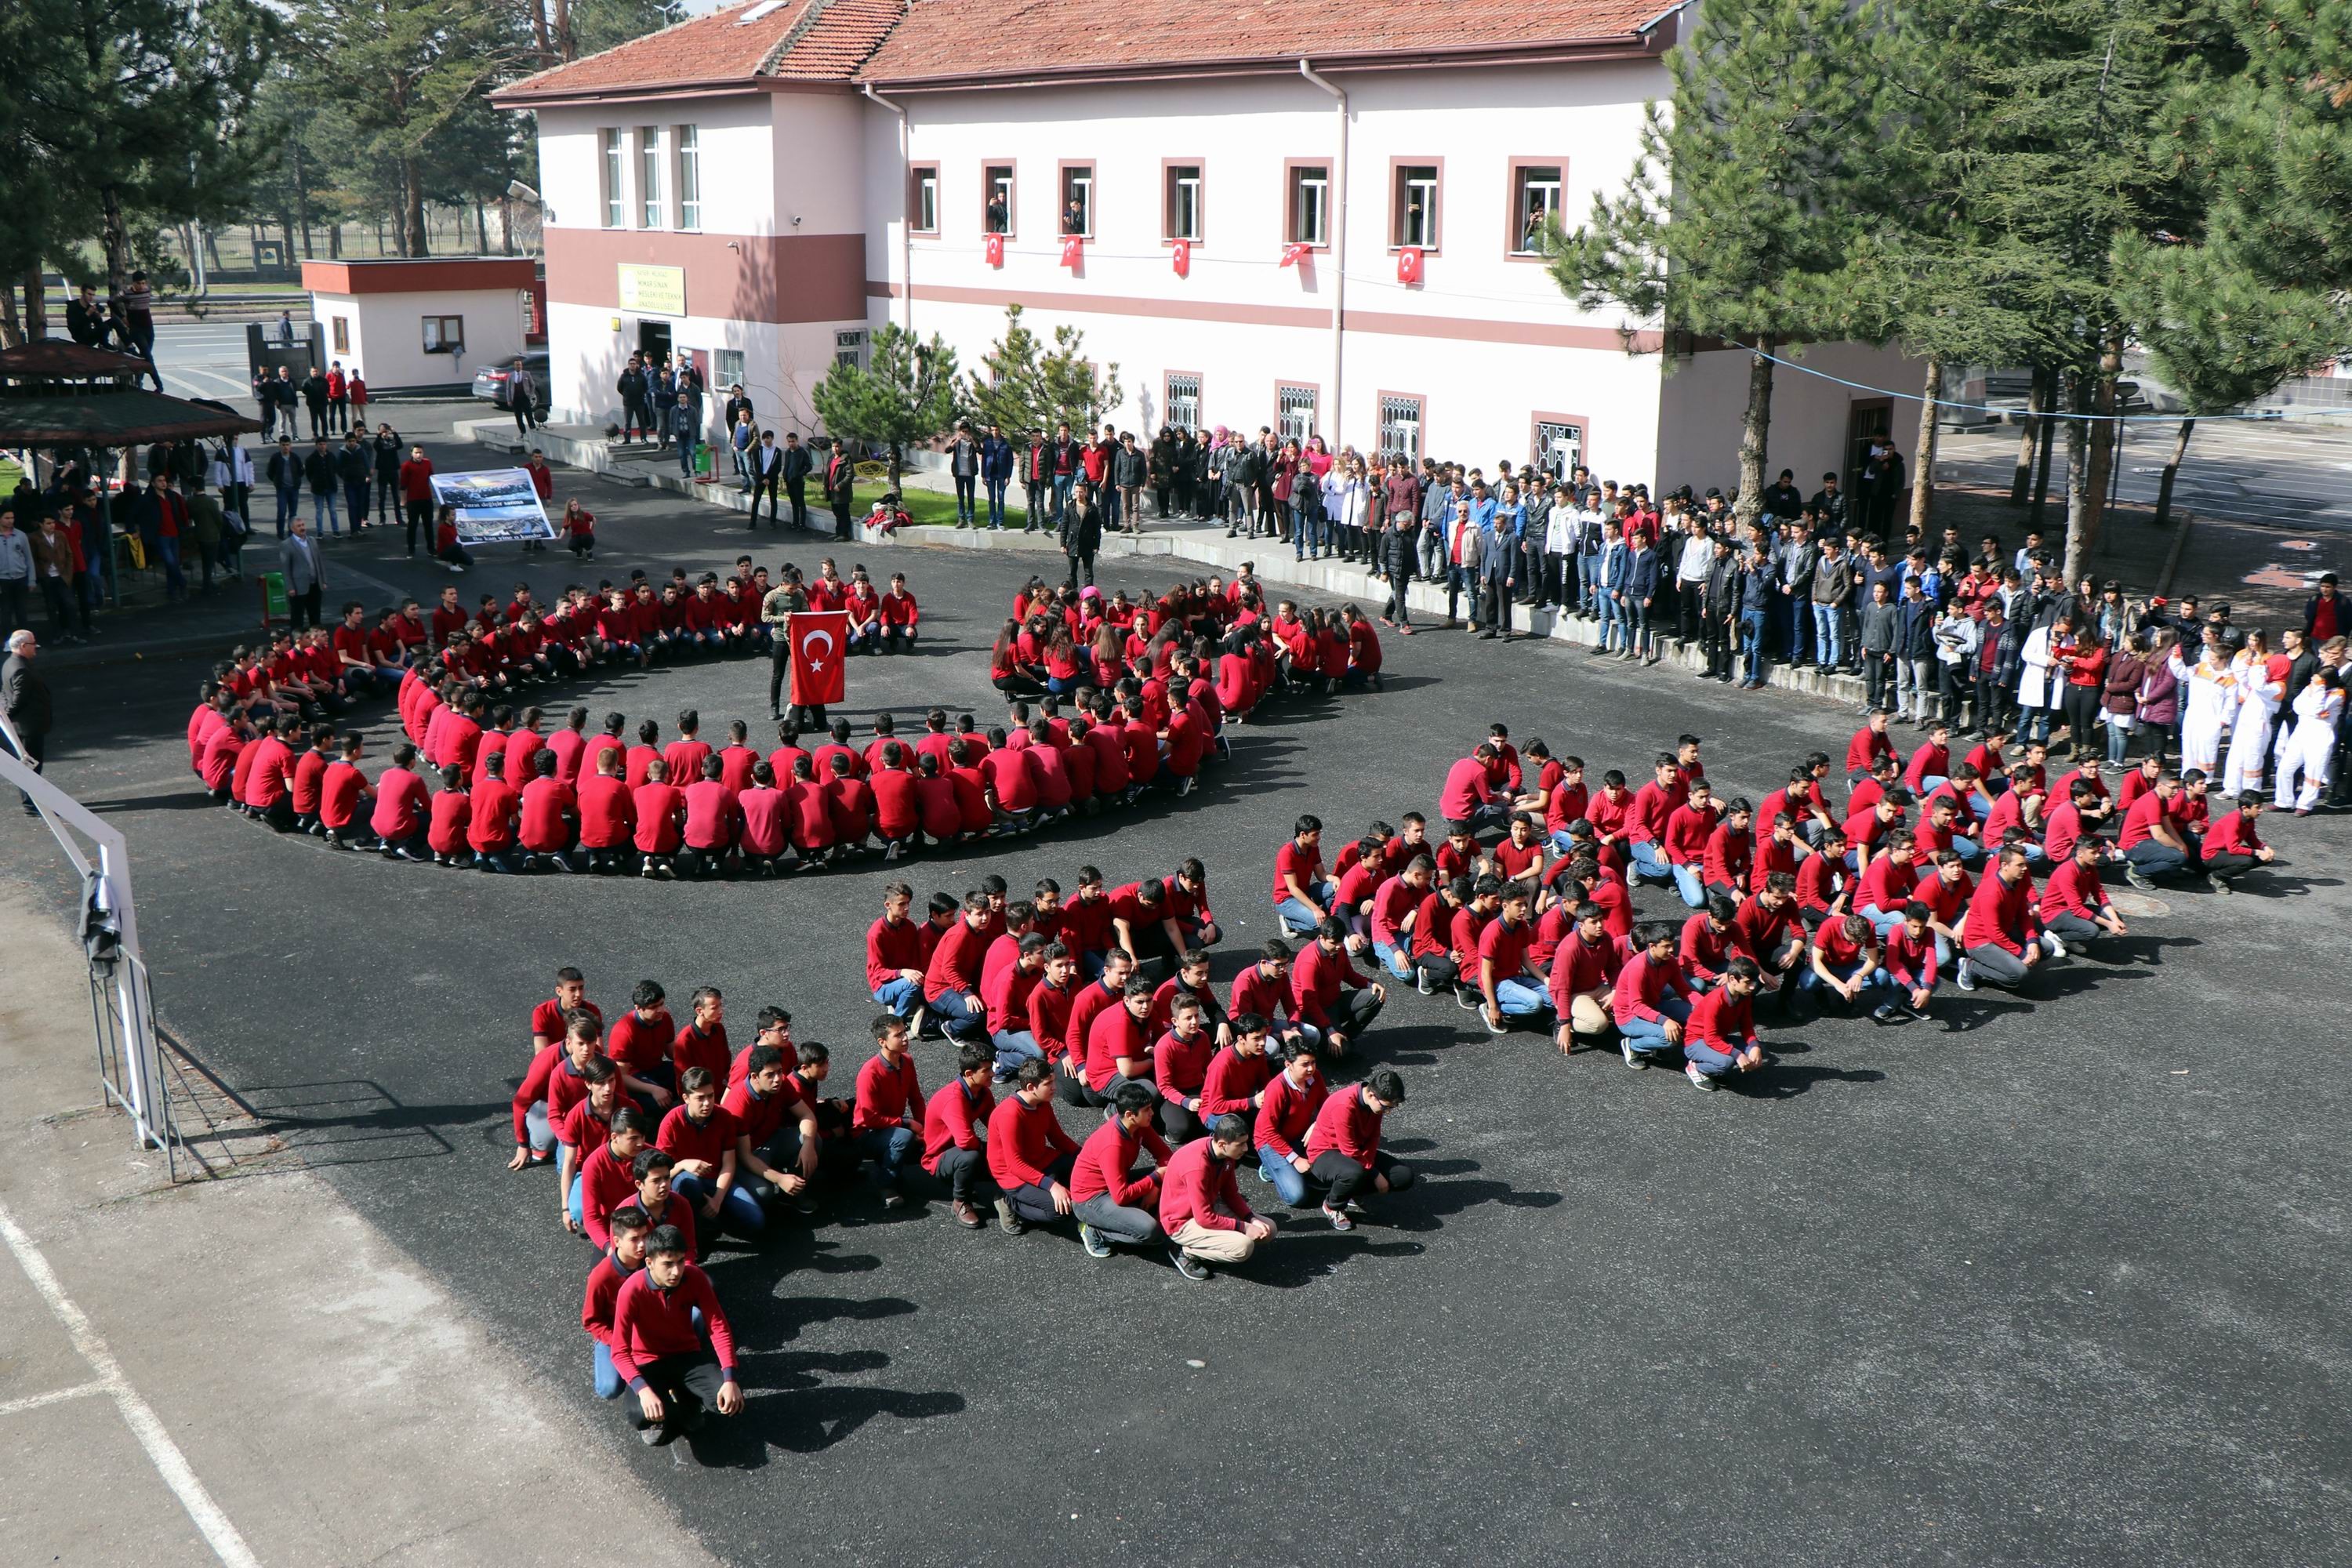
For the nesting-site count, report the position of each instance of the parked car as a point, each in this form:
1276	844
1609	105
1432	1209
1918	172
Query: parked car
490	381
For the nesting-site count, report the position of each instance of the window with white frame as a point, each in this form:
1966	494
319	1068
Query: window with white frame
727	365
616	213
1183	401
1400	426
849	349
1535	206
1311	203
649	176
1294	413
689	177
1416	206
1078	198
996	210
1181	202
923	198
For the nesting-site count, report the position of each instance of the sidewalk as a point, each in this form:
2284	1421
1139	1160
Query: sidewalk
240	1370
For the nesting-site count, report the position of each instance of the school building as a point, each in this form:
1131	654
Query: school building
1317	220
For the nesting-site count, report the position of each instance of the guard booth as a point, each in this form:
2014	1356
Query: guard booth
264	351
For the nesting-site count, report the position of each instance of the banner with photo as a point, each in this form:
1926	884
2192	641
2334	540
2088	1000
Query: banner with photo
495	506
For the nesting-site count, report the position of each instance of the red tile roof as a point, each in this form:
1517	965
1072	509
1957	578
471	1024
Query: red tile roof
798	39
915	41
960	39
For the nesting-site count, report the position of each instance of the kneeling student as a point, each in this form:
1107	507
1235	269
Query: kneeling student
671	1344
1910	962
955	1136
1200	1206
1030	1155
625	1255
1112	1203
1344	1148
1721	1036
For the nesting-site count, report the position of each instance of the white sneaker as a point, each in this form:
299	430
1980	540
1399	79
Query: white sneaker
2050	940
1965	978
1699	1079
1634	1058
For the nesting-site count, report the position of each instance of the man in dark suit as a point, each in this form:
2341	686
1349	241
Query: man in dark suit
840	487
767	473
798	466
24	698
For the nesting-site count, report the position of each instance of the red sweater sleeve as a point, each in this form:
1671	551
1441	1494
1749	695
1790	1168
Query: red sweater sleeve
534	1088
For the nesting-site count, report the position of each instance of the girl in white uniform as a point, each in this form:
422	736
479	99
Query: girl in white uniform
2311	746
2210	693
2249	732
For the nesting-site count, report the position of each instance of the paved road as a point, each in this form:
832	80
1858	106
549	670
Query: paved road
2043	1284
2296	478
204	359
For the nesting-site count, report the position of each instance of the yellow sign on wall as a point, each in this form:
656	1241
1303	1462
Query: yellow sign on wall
652	291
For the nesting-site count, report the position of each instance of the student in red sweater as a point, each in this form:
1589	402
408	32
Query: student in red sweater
955	1137
671	1344
2002	939
1200	1206
1331	1001
2074	906
951	977
623	1258
552	1085
2232	847
1179	1065
607	1178
1112	1203
660	809
699	1135
1721	1036
889	1113
1030	1156
1344	1147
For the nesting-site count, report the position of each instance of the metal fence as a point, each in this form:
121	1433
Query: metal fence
131	1065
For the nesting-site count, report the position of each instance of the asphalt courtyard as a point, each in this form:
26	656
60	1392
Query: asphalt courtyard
2030	1283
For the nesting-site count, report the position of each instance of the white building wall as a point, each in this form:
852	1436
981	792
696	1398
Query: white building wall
1704	398
387	333
735	137
1240	320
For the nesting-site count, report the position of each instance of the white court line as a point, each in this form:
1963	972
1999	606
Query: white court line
144	1423
55	1397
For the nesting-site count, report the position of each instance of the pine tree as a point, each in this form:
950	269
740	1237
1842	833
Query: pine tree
2251	288
1008	391
1749	193
904	393
1071	389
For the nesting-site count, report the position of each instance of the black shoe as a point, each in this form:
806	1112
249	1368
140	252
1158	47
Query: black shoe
1189	1267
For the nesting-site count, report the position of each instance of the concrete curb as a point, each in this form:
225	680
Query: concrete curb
1203	546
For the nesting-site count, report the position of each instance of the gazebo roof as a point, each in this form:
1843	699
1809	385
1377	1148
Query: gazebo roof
58	359
117	419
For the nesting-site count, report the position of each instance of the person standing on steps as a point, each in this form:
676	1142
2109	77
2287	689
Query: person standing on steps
798	466
24	698
841	487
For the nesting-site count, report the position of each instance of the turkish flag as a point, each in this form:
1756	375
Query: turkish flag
820	645
1074	250
1409	264
1179	255
1292	254
993	248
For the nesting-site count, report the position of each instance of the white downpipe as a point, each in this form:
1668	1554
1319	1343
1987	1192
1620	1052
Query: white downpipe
906	220
1339	257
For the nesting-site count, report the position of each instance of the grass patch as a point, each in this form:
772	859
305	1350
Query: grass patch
934	508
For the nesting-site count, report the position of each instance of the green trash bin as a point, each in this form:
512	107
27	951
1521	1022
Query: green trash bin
274	605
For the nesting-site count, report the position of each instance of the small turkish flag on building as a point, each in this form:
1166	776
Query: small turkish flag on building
1292	254
1180	256
993	248
820	641
1074	250
1409	264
